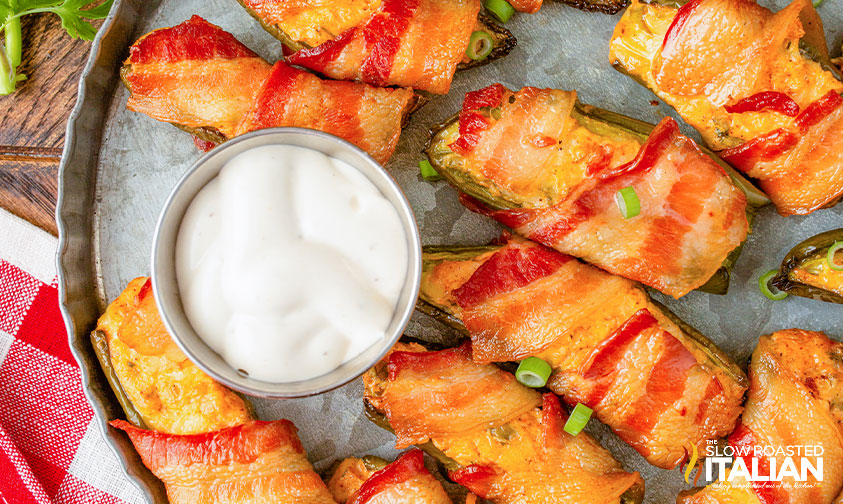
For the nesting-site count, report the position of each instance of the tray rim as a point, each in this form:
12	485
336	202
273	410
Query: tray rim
71	223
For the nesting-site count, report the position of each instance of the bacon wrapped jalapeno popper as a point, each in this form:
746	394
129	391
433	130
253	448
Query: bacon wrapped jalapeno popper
410	43
204	443
795	400
658	384
158	387
254	462
371	480
501	440
758	86
201	79
814	268
553	169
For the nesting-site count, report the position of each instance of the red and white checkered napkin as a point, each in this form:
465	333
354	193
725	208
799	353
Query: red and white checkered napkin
51	450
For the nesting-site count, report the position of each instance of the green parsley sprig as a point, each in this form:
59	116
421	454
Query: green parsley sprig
74	19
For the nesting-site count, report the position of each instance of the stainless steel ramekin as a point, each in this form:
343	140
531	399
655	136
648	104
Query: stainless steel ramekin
165	285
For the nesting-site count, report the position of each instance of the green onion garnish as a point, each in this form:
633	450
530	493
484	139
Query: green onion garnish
428	172
817	3
500	9
836	266
628	202
579	417
533	372
480	45
767	289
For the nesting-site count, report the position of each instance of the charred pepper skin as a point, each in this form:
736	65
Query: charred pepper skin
813	248
99	340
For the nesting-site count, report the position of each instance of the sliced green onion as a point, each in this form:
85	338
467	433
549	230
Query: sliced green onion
767	289
628	202
496	113
836	266
579	417
480	45
428	172
817	3
500	9
533	372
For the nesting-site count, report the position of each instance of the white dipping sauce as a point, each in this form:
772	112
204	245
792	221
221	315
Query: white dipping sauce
290	263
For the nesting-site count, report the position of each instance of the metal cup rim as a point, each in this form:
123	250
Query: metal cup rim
165	285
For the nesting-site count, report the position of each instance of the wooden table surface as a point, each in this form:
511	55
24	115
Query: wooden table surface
33	120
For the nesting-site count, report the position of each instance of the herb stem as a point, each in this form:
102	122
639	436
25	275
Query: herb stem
7	73
39	10
73	19
14	45
12	52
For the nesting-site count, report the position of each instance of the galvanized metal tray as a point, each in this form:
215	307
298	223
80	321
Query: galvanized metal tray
118	168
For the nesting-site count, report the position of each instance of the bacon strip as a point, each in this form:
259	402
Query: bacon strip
769	146
479	479
513	321
254	462
512	150
365	116
603	363
412	43
818	110
484	397
609	346
472	123
684	66
800	170
744	439
643	381
723	50
772	100
508	270
665	387
200	77
405	481
691	217
193	40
